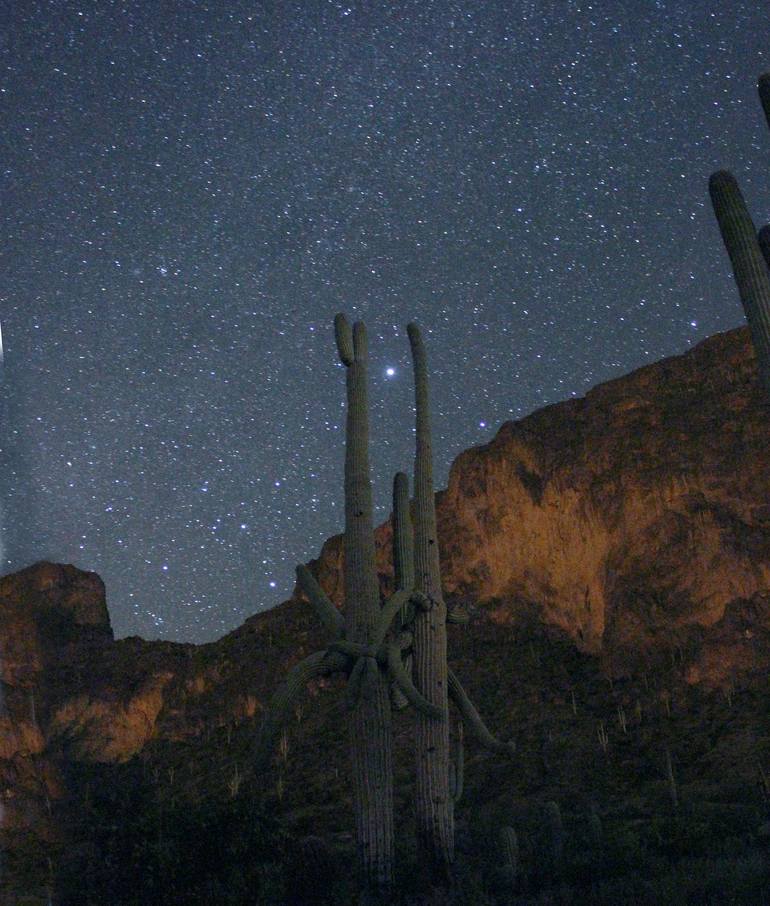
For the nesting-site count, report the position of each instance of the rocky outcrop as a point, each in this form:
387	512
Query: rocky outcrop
636	519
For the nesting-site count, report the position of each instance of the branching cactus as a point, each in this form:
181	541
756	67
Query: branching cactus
373	645
360	645
369	727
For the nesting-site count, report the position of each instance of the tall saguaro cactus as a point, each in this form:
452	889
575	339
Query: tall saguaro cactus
370	723
377	660
360	647
435	825
439	781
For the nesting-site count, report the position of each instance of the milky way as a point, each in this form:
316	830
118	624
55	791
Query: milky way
191	191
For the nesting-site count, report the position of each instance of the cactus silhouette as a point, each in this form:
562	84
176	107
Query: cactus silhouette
749	253
435	827
434	800
358	647
378	646
749	266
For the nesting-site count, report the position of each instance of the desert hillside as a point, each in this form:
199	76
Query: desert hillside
615	553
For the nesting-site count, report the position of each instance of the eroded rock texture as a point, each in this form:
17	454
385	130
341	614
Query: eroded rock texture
637	519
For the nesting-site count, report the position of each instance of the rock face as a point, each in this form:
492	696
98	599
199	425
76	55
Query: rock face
53	619
636	519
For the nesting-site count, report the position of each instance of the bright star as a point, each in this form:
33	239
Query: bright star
390	371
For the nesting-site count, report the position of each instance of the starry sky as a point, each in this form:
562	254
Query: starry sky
190	191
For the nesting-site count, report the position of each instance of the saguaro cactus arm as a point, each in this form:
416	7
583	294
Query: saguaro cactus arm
457	768
458	616
327	613
399	675
392	608
320	663
473	720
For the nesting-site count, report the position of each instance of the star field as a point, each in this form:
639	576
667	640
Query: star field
191	191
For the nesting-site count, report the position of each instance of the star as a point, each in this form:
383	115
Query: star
191	200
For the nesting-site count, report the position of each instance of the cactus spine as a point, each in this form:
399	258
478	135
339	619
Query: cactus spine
435	827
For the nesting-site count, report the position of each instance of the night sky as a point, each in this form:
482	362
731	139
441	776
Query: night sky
191	191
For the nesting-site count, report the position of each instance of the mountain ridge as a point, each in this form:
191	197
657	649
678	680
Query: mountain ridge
614	549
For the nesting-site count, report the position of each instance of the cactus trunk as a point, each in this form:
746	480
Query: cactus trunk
435	826
370	724
749	266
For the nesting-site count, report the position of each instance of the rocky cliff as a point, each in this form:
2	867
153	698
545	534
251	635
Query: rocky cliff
632	525
637	519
